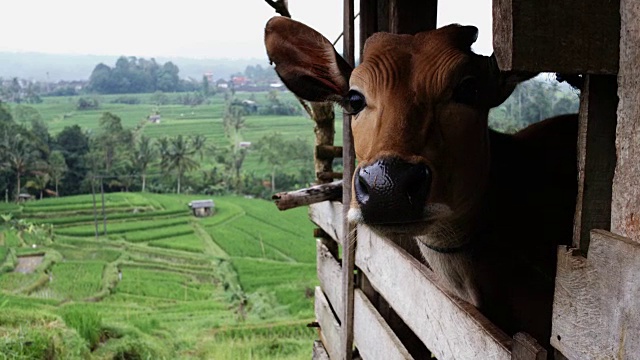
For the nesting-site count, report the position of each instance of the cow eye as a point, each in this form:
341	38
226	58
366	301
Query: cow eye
354	102
467	91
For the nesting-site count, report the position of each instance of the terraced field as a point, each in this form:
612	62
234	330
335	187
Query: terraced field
160	283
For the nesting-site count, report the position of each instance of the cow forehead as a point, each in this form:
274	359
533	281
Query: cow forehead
426	62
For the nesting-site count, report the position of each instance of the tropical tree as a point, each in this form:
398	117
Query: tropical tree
74	145
57	167
277	151
39	182
19	155
143	155
198	143
178	157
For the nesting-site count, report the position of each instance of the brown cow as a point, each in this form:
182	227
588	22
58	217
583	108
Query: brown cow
487	209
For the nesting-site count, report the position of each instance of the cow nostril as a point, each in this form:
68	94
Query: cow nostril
362	189
418	184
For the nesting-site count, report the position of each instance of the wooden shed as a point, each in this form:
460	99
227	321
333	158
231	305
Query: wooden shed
202	208
377	301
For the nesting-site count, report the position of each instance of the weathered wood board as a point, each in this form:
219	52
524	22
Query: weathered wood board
597	300
625	212
373	337
557	36
596	157
330	276
448	326
319	352
329	327
328	216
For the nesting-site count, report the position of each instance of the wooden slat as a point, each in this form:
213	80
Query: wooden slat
595	307
449	327
329	327
328	216
557	36
625	216
596	157
319	352
373	337
330	275
525	347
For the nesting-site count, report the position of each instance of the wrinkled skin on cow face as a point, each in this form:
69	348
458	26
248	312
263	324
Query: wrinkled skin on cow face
487	207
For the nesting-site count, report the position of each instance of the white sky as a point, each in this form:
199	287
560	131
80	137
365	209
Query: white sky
186	28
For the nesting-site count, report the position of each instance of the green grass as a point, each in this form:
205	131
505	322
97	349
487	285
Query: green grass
190	243
76	280
229	286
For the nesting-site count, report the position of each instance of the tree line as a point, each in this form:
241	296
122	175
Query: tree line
124	159
137	75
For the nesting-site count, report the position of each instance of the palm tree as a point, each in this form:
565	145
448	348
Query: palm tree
143	154
179	158
198	143
19	155
39	182
57	167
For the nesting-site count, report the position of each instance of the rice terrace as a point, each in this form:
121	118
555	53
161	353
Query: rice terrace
163	284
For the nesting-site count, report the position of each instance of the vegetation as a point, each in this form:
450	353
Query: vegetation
195	293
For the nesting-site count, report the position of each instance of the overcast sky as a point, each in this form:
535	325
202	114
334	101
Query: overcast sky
186	28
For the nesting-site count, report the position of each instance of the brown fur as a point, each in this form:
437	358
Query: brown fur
500	204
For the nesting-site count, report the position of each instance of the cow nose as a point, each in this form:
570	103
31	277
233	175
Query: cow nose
391	190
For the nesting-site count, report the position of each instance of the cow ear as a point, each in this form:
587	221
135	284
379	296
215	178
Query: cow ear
306	61
502	83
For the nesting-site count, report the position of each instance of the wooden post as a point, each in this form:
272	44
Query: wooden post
625	213
348	156
557	36
596	157
410	17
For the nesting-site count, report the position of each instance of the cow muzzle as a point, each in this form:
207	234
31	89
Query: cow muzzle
391	190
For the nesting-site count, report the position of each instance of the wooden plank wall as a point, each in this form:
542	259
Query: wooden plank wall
625	217
557	36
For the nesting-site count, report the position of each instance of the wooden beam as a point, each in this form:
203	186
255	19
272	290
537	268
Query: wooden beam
372	335
348	234
330	333
448	326
315	194
596	157
625	216
328	152
568	36
410	17
595	307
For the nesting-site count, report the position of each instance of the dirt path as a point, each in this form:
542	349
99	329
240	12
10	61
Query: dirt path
28	264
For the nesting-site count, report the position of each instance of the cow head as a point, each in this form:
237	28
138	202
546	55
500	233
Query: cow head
420	106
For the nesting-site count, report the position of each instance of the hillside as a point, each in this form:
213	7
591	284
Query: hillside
161	284
67	67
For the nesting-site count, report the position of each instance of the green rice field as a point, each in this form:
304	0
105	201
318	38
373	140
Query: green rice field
161	284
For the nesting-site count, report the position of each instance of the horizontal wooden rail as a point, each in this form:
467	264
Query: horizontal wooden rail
329	274
448	326
328	216
327	152
373	337
311	195
329	327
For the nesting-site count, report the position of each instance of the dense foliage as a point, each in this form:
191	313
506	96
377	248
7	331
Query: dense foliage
136	75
